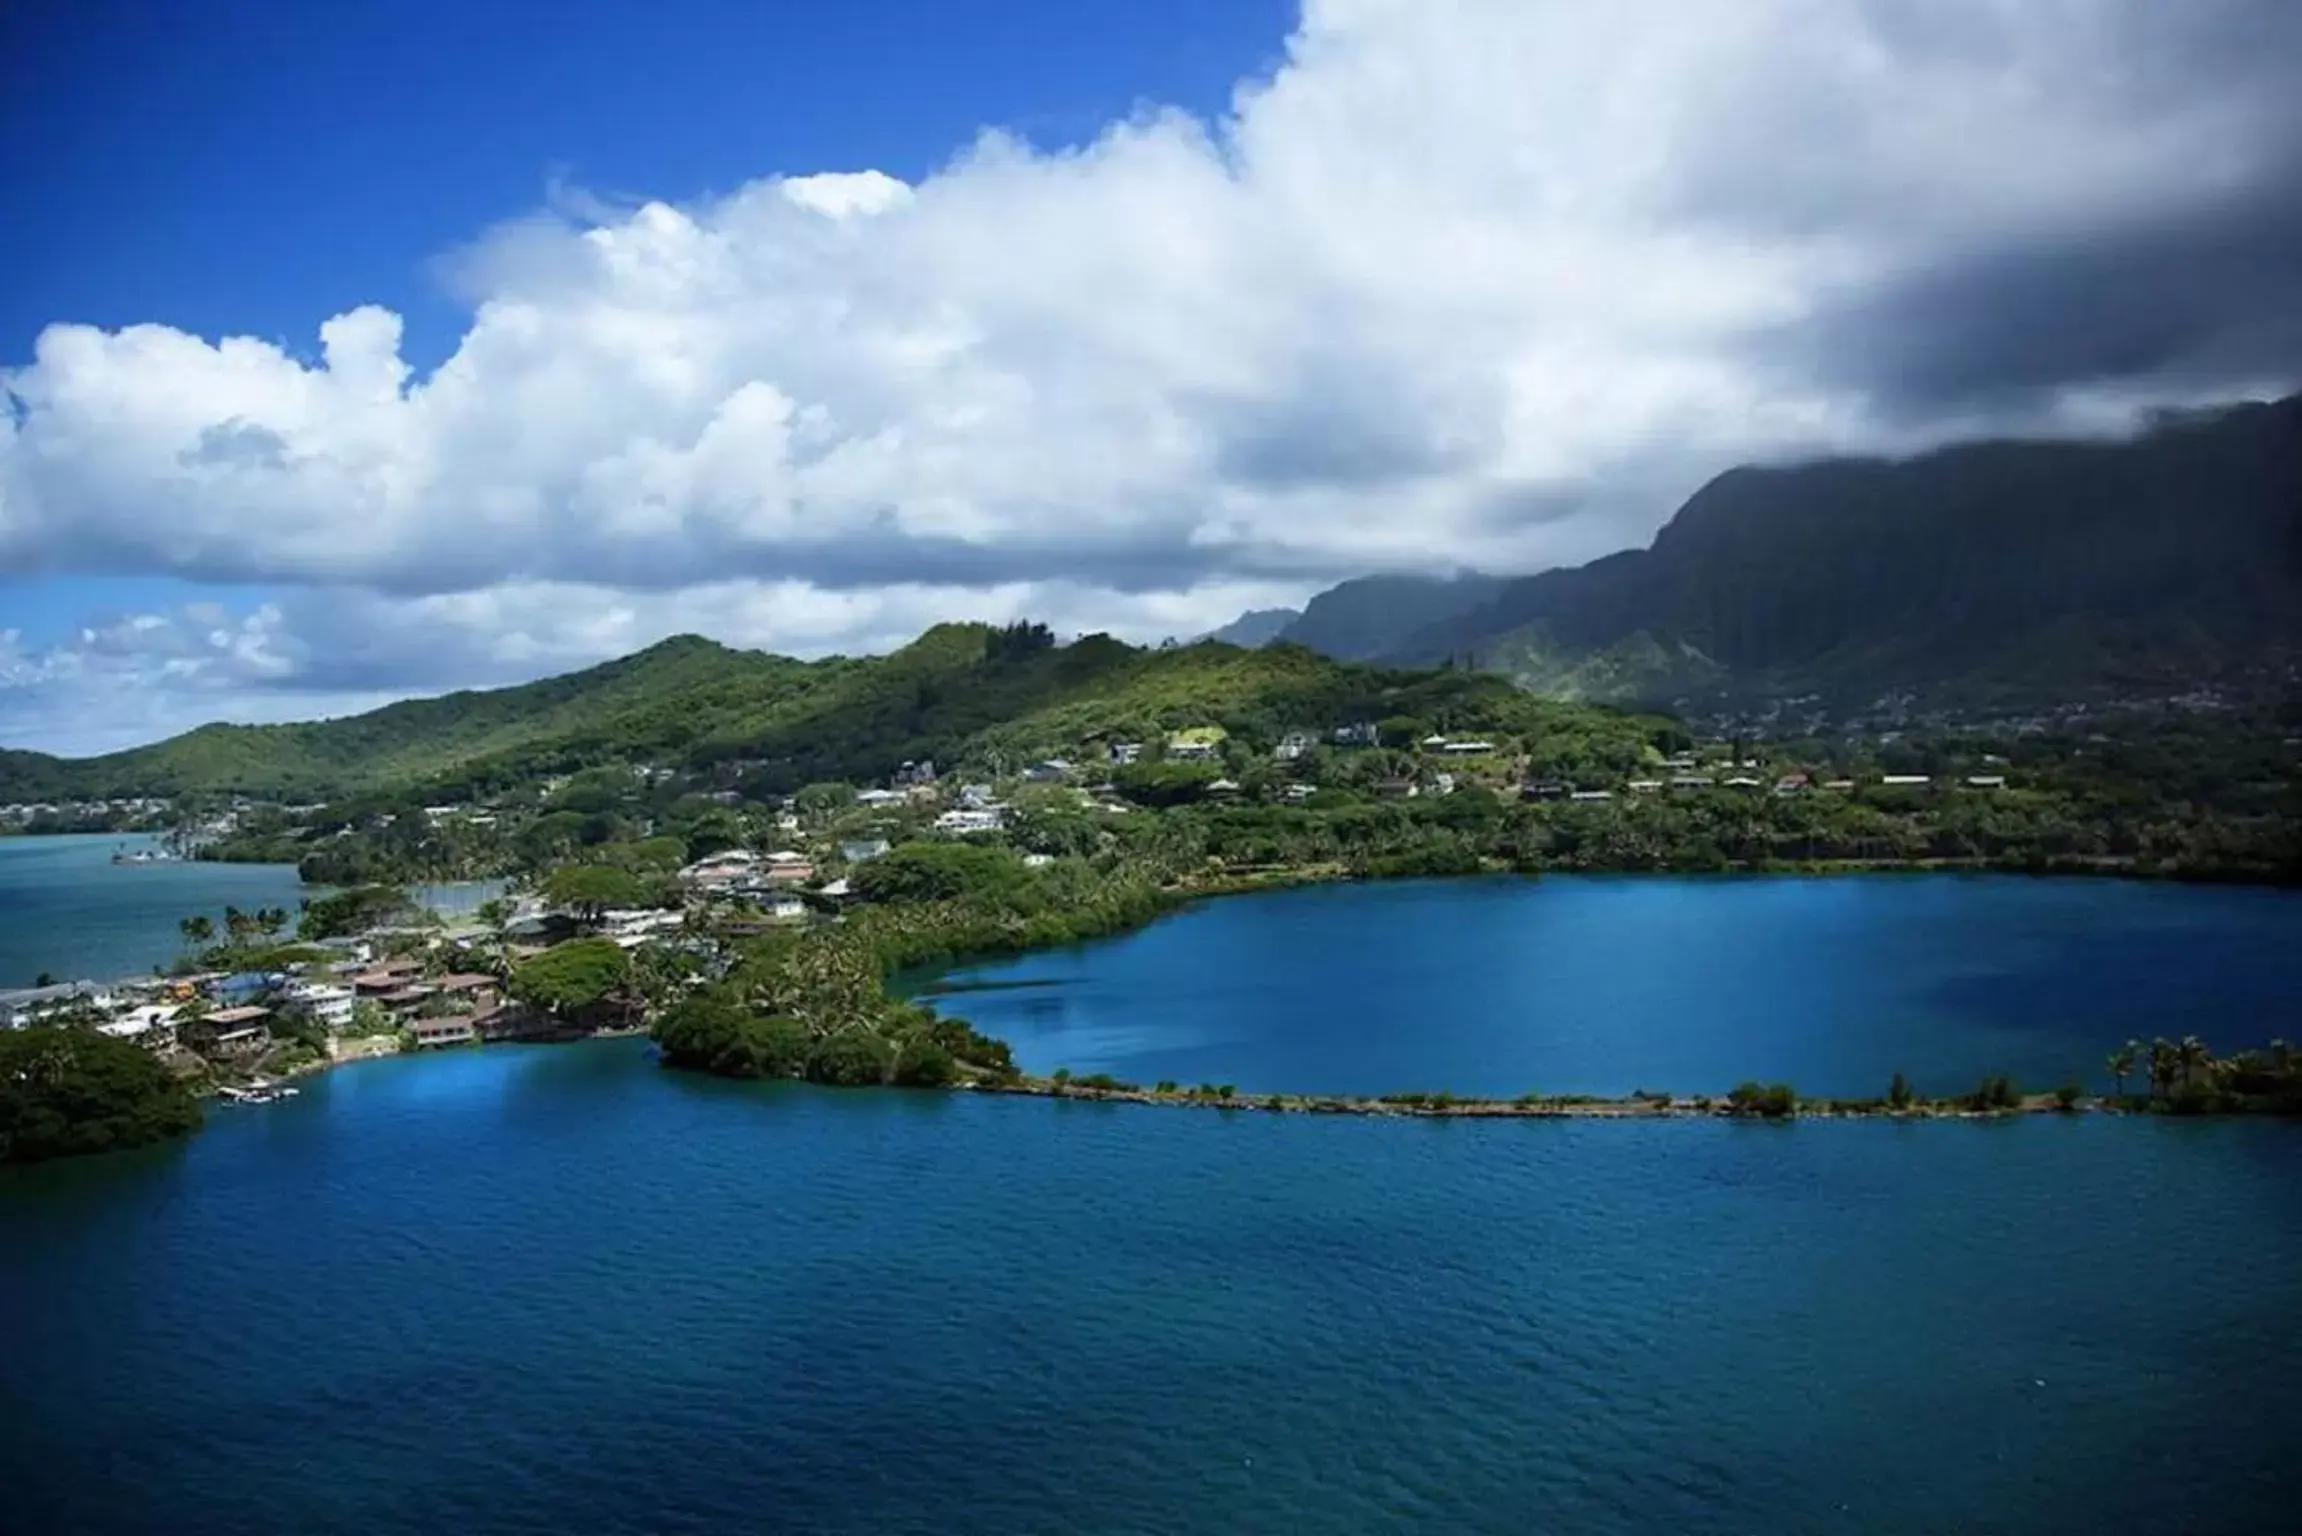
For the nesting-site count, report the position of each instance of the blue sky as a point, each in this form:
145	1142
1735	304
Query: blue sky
356	350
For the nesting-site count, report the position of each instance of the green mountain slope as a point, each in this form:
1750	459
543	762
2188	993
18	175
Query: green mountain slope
1991	573
960	692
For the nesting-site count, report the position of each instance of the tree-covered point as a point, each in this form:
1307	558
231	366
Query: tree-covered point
574	979
66	1091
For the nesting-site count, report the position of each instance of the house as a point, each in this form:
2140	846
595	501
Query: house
22	1007
879	799
476	991
1466	748
1589	796
1224	787
720	869
1793	783
968	823
386	977
444	1029
863	850
1986	781
1644	786
1125	752
152	1025
919	773
789	869
327	1001
976	797
1692	781
239	1031
1360	734
1839	786
1744	781
1296	794
1547	789
784	908
1443	783
1293	745
402	1002
1905	780
1397	789
1199	744
1053	771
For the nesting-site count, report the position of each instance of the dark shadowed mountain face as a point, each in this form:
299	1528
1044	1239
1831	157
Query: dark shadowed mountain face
1377	615
1995	573
1255	627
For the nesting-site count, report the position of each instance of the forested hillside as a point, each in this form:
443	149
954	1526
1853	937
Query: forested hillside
775	723
1992	572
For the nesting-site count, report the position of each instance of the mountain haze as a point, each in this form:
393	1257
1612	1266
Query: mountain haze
1989	573
1375	616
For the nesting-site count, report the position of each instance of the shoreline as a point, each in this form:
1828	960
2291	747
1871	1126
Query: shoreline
1441	1106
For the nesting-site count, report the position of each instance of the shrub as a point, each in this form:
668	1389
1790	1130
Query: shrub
1770	1101
2066	1097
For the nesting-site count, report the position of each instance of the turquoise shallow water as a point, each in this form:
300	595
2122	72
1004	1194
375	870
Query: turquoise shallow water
66	908
546	1290
1603	985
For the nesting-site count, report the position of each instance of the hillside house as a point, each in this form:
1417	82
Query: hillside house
1294	745
239	1031
863	850
1359	734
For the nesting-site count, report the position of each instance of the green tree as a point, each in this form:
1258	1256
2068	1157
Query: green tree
572	979
68	1091
198	930
2121	1064
589	890
1899	1094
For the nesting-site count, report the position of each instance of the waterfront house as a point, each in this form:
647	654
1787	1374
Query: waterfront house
405	1001
238	1031
444	1029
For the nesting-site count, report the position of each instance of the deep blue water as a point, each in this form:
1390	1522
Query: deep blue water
1603	985
539	1289
67	909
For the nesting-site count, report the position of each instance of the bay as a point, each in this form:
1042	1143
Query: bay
544	1289
557	1289
1603	985
68	910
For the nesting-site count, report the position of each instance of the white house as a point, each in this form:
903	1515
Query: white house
328	1002
967	823
863	850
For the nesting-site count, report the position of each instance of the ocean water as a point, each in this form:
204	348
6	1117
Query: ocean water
67	909
536	1289
1607	984
554	1289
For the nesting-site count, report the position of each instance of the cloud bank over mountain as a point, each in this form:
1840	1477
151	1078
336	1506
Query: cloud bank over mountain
1490	283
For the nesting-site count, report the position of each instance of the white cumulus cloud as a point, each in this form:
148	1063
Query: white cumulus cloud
1481	282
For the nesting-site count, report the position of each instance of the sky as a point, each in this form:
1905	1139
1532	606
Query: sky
355	351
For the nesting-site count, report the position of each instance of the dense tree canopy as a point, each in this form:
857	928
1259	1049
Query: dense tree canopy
67	1091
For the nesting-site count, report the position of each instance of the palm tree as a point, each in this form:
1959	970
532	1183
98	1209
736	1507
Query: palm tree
197	931
2162	1068
2193	1058
2121	1064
